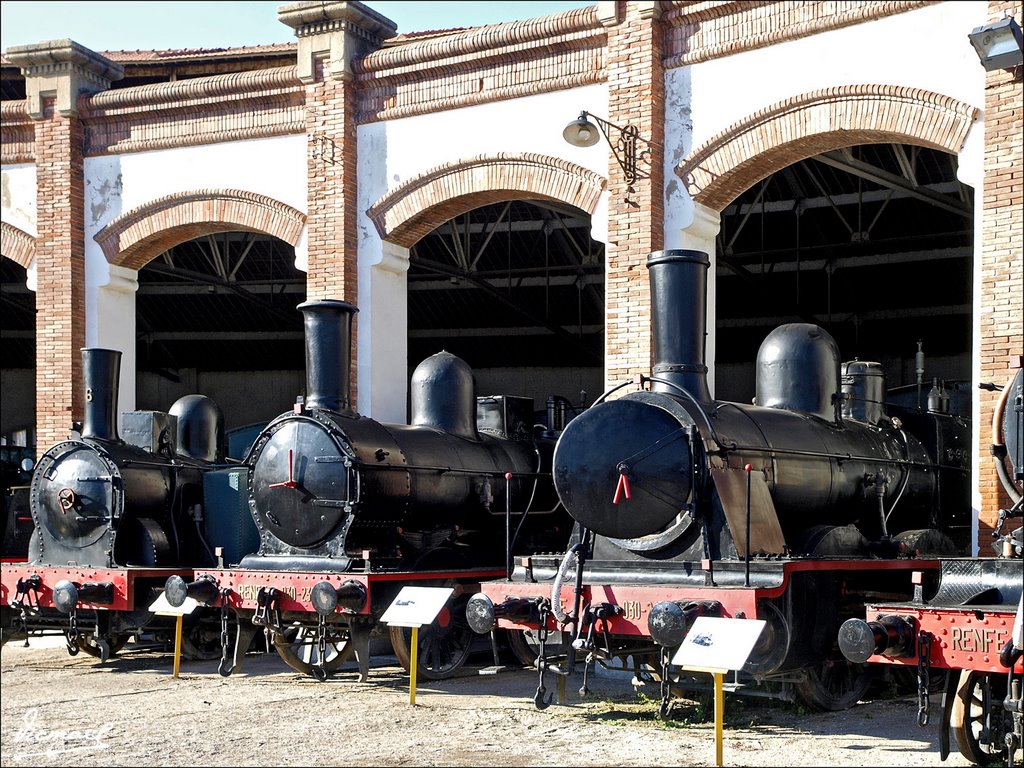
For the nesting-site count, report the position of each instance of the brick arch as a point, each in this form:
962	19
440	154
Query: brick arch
421	204
811	123
137	237
19	245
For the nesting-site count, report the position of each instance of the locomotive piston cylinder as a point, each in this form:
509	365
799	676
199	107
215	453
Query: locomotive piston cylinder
891	636
326	597
68	594
203	590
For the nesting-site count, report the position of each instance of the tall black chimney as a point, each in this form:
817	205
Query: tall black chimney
101	369
678	311
328	353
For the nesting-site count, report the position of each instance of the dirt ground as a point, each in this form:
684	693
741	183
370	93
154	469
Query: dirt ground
131	711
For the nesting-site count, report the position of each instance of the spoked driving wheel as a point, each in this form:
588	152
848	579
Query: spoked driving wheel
978	719
443	646
835	685
300	650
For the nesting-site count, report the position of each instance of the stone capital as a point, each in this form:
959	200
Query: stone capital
64	70
335	31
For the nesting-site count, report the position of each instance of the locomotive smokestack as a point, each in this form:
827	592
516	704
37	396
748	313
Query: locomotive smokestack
678	308
100	370
328	353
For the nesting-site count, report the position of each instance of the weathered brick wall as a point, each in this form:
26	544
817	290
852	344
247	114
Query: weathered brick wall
60	269
636	94
1002	260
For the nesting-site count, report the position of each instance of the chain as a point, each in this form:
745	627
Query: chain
225	641
924	644
321	646
542	663
666	688
72	634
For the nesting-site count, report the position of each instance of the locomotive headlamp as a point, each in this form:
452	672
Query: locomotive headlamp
999	45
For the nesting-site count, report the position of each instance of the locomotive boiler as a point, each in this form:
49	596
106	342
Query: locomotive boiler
350	509
113	517
788	510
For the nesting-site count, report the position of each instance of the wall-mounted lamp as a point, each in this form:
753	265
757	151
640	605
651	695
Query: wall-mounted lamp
999	45
583	133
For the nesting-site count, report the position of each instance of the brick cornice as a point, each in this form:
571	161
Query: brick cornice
18	246
18	138
419	205
700	31
438	52
134	238
233	107
187	93
501	61
816	122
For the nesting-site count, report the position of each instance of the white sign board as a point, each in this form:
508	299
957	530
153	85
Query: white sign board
161	607
714	643
416	606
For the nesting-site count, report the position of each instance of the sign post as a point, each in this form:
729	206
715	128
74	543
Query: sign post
413	607
715	646
161	607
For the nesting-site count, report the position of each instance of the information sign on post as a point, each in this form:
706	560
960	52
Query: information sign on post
413	607
161	607
716	646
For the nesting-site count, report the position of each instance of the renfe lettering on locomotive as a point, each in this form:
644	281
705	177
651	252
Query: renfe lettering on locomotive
978	639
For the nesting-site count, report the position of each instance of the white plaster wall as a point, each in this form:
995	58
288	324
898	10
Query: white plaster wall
117	184
394	151
926	48
18	196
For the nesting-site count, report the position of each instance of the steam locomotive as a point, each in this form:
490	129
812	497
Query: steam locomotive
794	510
350	510
969	627
113	517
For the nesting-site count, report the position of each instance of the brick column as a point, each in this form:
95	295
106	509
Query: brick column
56	74
1002	267
330	35
636	96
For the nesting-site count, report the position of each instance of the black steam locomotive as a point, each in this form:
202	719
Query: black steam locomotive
969	628
114	517
791	510
350	510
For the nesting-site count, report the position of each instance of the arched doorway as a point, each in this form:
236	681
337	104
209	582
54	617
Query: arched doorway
874	242
516	289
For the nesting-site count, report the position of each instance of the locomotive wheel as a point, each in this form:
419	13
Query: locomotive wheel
297	646
444	645
201	641
978	711
524	646
835	685
92	647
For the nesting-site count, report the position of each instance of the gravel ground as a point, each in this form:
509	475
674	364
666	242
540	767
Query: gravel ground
131	711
